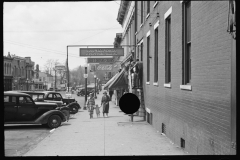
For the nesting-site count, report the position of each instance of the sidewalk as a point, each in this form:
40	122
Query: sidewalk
112	136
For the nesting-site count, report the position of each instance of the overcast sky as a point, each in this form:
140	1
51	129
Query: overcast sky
42	30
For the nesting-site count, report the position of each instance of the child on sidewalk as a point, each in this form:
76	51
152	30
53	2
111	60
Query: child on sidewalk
97	108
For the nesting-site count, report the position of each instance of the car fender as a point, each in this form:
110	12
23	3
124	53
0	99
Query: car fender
44	117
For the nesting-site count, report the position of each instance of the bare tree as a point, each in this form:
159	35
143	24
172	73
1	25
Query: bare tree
50	65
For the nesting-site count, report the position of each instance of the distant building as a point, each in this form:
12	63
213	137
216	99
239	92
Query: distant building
7	70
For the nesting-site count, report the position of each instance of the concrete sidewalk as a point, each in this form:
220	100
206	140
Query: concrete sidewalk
111	136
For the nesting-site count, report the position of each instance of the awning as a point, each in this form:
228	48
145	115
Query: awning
128	57
119	82
110	81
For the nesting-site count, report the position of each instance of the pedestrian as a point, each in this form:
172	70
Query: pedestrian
90	104
105	103
110	94
97	108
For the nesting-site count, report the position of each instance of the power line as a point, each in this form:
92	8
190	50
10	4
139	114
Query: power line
67	30
45	50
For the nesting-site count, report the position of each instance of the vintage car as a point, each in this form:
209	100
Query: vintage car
54	97
81	92
19	108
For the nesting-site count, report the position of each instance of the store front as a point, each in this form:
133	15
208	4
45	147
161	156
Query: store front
7	83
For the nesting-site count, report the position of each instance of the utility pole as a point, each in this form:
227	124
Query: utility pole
67	70
85	88
55	80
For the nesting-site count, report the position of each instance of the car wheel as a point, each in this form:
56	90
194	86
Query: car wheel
74	109
54	121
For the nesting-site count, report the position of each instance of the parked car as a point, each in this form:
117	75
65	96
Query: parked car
19	108
81	92
55	97
50	89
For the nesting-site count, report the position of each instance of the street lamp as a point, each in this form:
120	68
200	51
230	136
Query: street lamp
27	83
85	76
95	86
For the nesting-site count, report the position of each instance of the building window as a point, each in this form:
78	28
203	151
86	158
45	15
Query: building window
156	56
148	7
136	15
148	58
141	12
168	50
141	52
186	42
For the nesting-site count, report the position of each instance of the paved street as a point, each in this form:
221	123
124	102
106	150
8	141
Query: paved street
115	135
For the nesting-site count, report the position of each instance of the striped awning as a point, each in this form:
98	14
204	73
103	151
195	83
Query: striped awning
109	82
119	82
128	57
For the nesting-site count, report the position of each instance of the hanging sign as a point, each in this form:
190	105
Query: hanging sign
104	67
101	52
100	60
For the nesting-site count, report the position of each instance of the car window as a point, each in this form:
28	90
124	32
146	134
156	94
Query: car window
58	95
22	100
6	98
50	96
34	96
28	100
14	99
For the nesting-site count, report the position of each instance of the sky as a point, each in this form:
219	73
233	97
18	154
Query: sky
43	30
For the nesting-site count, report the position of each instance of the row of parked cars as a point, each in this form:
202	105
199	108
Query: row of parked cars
48	108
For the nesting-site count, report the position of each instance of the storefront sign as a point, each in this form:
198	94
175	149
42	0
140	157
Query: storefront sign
101	52
104	67
60	68
100	60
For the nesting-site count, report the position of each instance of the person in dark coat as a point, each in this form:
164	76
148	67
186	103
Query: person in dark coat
110	94
105	103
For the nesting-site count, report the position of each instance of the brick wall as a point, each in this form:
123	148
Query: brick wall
200	116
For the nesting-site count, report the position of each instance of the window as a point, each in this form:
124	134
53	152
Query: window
141	12
148	7
148	59
136	15
28	100
141	52
168	50
6	98
156	56
22	100
14	99
186	43
50	96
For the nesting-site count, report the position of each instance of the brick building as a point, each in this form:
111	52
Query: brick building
189	70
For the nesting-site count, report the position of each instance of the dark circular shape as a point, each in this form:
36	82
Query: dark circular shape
54	121
74	109
129	103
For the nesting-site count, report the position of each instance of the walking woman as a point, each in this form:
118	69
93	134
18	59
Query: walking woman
105	103
90	104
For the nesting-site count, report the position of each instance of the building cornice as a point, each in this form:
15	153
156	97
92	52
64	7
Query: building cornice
122	10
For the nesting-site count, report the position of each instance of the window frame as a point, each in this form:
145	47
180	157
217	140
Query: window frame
148	55
142	12
168	49
156	54
186	64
